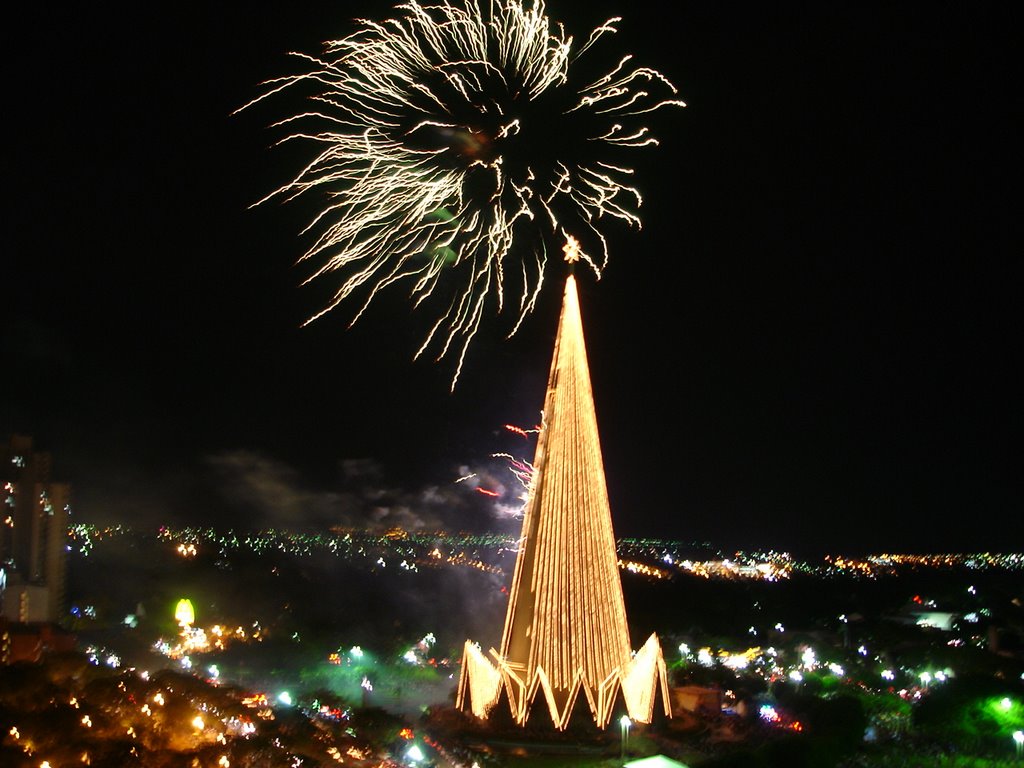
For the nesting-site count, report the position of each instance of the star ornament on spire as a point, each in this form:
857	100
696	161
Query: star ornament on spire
571	249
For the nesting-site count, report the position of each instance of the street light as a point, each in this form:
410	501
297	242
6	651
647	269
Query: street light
624	724
1018	739
414	754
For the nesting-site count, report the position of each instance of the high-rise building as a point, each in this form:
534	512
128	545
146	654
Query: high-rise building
33	534
565	628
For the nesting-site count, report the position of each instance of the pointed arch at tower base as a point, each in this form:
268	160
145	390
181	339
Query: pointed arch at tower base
483	683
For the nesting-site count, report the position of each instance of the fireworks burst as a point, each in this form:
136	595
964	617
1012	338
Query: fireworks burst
523	471
454	154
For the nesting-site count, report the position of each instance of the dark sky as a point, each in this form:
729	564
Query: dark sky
813	344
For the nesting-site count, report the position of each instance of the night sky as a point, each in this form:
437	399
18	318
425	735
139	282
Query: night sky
813	343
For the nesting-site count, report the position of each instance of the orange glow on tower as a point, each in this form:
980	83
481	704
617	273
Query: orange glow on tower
565	629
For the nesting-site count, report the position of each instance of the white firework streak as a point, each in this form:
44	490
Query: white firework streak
523	470
394	212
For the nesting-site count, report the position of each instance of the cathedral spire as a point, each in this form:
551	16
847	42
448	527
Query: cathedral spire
565	629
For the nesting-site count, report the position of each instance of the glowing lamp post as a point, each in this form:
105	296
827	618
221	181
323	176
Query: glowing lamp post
625	723
1018	740
185	614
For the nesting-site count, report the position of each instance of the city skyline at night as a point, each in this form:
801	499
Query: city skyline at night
886	640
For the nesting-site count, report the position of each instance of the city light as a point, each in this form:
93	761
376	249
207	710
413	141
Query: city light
731	667
415	754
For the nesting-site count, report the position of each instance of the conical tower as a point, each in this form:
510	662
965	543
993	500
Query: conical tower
565	629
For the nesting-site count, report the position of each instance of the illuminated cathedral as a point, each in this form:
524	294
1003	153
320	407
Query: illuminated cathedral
565	629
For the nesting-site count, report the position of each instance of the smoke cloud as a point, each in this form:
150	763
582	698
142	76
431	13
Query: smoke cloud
264	492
